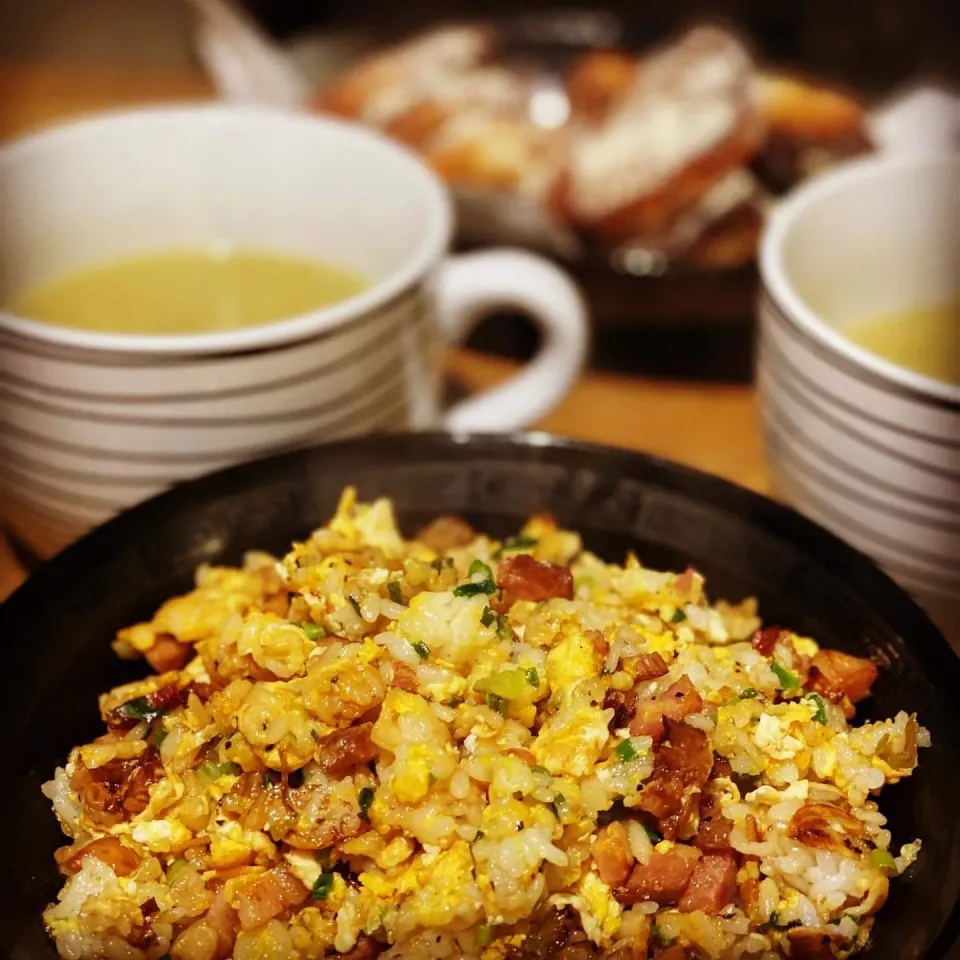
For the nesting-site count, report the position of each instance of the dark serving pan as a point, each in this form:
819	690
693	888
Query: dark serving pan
56	630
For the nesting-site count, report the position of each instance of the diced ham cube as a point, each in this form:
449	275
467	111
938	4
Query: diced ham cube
366	948
663	879
611	853
662	798
679	700
835	675
766	639
269	895
446	533
109	850
686	754
405	677
713	833
673	952
649	666
683	762
808	944
523	578
623	703
713	885
168	654
346	749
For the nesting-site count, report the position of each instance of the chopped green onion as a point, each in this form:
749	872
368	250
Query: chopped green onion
496	703
554	804
652	834
423	651
539	769
211	770
749	694
772	921
313	630
485	935
140	708
789	681
487	617
533	678
322	887
883	860
504	630
519	542
821	712
626	751
662	938
365	799
175	870
158	735
471	589
678	616
478	566
508	684
395	591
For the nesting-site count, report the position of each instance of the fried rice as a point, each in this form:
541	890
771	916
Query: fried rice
460	747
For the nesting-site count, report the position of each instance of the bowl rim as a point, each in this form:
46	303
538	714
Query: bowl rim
774	276
438	218
891	603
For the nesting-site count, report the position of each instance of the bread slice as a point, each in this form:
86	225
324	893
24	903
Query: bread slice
797	109
690	119
380	88
598	81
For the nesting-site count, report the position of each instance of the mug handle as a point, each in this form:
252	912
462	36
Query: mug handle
470	286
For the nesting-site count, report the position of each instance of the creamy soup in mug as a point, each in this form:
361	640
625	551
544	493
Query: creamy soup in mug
923	339
188	291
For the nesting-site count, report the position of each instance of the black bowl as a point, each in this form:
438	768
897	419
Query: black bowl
57	628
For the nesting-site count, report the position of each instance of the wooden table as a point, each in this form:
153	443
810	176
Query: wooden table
711	427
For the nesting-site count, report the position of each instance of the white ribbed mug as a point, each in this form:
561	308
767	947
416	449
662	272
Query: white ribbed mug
869	449
95	422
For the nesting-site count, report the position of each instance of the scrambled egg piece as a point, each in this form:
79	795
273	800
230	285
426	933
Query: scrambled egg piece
372	523
162	836
439	898
572	745
573	658
600	913
773	737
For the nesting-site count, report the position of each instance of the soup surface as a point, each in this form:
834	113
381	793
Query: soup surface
188	291
923	339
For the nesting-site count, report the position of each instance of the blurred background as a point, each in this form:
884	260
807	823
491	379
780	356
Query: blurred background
668	326
873	44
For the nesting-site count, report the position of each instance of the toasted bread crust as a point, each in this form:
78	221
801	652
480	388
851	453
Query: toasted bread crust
800	110
650	147
598	81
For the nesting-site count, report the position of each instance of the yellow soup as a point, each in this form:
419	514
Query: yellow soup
188	291
923	339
